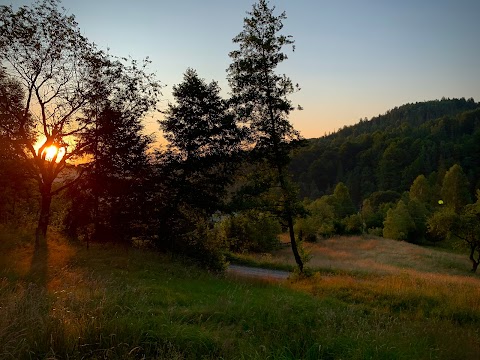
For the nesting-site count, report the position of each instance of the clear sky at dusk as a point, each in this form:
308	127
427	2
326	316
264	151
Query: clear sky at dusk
353	59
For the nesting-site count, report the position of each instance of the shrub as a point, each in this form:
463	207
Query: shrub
252	231
320	222
208	245
375	231
354	224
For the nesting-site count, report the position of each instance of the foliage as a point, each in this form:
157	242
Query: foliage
319	223
109	196
260	99
375	207
354	224
440	223
464	225
419	213
421	190
252	231
207	244
389	151
195	170
455	188
204	141
399	224
468	229
342	202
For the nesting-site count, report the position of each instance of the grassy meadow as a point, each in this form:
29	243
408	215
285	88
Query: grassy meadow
117	303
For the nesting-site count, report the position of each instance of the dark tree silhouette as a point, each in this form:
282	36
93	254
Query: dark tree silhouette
109	197
13	179
63	76
204	141
261	98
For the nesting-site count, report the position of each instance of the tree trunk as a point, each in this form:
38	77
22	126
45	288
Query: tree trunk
289	217
293	243
43	220
475	263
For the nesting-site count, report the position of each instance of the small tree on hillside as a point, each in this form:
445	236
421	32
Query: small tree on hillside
455	193
260	96
464	226
342	202
398	225
421	190
468	229
440	223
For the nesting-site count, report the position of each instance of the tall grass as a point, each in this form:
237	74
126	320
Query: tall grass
114	303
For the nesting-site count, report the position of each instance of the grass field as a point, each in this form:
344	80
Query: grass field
117	303
376	255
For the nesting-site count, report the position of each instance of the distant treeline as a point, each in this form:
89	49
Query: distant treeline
389	151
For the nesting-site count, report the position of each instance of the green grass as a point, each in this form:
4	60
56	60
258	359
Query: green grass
259	260
114	303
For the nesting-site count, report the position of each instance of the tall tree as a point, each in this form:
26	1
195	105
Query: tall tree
108	197
261	98
63	77
203	141
342	202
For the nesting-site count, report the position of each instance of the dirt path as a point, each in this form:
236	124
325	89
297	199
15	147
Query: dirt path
258	272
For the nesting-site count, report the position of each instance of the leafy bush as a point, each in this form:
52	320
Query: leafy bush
252	231
374	215
320	223
208	245
354	224
375	231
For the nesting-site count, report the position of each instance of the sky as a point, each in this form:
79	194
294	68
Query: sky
354	59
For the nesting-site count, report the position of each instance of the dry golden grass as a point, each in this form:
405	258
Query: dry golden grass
380	256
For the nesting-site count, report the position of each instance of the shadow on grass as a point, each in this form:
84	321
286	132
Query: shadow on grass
38	273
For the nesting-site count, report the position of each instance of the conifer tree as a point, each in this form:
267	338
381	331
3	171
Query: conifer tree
260	95
203	140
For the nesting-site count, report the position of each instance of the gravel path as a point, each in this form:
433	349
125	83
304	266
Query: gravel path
258	272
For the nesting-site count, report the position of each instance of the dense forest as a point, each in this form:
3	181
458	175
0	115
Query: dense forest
411	174
389	151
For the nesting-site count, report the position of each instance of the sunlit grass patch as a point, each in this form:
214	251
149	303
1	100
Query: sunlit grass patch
377	255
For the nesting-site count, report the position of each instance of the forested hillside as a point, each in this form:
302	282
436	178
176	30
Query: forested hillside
389	151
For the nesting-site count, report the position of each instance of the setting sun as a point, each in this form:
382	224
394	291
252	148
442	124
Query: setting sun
50	152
